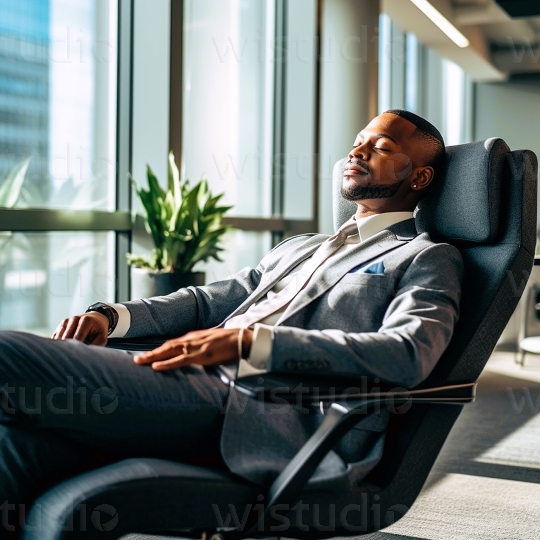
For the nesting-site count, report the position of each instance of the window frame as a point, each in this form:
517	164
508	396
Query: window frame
277	224
120	221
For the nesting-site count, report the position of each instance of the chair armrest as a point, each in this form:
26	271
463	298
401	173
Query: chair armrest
349	404
339	419
299	389
135	344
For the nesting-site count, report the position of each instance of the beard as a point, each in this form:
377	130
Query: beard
371	191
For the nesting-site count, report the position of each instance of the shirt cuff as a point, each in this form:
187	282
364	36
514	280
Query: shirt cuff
124	321
261	346
260	353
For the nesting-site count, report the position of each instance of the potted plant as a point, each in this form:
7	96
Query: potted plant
185	225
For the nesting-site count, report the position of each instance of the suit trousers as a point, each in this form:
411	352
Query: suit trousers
67	408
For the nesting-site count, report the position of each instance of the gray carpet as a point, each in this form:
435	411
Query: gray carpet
485	485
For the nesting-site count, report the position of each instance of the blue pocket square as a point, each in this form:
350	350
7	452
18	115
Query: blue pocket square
375	268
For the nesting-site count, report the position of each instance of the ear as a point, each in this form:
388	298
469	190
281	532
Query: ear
421	178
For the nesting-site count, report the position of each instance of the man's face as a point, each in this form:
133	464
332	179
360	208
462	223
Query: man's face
382	159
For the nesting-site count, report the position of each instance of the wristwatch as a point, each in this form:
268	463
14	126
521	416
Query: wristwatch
108	311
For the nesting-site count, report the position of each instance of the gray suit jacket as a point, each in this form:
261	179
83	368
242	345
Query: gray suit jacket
384	310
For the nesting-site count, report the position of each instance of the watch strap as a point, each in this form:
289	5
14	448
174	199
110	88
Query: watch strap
108	311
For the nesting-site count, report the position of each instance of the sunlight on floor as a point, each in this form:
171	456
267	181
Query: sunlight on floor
504	364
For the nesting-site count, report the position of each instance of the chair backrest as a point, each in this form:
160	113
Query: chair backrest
485	205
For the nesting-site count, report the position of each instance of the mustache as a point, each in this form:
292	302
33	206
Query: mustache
360	164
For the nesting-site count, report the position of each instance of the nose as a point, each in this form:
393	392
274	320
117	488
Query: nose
359	152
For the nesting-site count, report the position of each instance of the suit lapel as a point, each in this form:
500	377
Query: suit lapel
287	262
402	232
379	244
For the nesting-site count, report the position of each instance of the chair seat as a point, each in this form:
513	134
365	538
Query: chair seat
530	344
155	496
137	494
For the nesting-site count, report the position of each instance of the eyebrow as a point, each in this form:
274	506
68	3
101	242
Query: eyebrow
381	136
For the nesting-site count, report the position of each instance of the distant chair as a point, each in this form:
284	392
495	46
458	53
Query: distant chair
531	307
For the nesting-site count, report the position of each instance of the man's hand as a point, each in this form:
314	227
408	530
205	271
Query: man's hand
204	347
92	328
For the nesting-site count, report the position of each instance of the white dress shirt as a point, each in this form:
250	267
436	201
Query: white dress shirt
261	346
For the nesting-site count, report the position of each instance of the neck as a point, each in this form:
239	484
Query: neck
365	210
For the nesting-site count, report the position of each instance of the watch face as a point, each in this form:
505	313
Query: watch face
99	306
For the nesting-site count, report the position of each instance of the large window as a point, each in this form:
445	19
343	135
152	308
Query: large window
58	100
248	117
228	100
413	77
84	97
48	276
58	110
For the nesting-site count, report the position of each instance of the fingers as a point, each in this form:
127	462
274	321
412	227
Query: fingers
175	362
66	329
85	330
88	332
169	350
88	328
59	330
207	347
174	353
166	360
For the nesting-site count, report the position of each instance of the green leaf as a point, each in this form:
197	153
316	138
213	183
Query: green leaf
12	185
183	220
174	181
153	184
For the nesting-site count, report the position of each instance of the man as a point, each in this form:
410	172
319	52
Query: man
377	300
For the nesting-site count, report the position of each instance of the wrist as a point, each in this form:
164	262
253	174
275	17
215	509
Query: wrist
108	312
243	343
247	338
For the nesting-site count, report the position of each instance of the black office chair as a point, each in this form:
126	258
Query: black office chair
486	206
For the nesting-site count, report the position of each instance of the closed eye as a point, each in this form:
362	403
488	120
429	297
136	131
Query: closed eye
382	149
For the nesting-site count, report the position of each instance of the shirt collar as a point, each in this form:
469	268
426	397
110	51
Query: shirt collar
371	225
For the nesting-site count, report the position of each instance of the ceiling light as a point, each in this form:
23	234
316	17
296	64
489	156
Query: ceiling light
442	22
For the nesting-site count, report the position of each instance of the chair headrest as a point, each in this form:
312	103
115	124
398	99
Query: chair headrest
463	205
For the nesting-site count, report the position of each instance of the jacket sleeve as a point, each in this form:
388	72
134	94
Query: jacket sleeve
195	308
416	329
192	308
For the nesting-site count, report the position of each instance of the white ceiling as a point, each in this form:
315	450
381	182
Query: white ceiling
500	46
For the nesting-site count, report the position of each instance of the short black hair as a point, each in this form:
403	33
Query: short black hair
431	135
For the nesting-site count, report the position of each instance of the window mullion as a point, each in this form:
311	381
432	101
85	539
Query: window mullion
124	142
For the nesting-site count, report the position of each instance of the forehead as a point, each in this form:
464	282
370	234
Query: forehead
390	124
